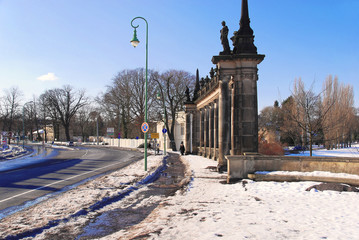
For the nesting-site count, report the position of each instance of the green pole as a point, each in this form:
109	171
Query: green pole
23	126
165	115
135	39
164	144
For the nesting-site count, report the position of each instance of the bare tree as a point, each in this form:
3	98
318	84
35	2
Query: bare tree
44	114
49	111
83	121
66	102
290	132
124	101
307	113
172	85
11	108
116	102
338	125
31	113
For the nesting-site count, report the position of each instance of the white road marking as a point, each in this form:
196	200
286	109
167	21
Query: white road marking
4	200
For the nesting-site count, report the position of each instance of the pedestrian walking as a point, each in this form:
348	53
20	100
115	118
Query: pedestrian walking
182	149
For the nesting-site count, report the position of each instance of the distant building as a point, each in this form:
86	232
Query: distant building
179	131
49	134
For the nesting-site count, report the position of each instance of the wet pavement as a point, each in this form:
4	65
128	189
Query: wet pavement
171	180
33	155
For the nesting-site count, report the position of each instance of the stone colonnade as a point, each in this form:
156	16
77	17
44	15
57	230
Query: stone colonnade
223	120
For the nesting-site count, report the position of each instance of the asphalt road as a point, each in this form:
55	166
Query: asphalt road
67	168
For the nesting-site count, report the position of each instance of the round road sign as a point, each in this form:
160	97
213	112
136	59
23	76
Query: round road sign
144	127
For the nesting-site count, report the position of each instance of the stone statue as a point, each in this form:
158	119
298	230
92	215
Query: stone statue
235	42
211	73
202	82
224	40
207	80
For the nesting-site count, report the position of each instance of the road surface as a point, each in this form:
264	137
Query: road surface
67	168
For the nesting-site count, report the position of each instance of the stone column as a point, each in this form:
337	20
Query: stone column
248	111
205	131
193	132
215	129
197	123
223	124
201	132
210	128
234	137
188	132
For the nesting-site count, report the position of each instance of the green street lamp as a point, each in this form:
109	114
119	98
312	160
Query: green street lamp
134	43
134	40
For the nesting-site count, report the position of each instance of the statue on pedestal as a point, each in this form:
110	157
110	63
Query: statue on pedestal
224	40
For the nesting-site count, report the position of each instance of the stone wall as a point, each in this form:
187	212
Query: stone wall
240	166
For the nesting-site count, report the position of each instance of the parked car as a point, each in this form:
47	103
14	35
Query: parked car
70	144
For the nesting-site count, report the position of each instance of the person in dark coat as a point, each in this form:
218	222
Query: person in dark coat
182	149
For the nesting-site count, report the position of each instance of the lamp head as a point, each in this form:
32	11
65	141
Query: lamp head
134	40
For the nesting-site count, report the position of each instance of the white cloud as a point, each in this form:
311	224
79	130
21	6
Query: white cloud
48	77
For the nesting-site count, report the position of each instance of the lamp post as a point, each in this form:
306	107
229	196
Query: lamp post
134	43
23	126
97	130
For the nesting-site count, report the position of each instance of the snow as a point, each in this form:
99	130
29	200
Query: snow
8	151
208	209
340	152
257	210
314	173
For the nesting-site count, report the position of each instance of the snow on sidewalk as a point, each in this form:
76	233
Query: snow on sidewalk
248	210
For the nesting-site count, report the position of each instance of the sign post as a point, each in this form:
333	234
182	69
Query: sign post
144	129
164	130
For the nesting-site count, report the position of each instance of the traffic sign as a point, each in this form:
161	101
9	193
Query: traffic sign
164	130
110	131
155	135
145	127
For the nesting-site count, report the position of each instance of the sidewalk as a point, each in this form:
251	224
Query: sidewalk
143	203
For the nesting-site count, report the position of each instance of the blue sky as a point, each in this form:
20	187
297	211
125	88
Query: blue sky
84	43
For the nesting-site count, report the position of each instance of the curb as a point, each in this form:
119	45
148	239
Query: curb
98	205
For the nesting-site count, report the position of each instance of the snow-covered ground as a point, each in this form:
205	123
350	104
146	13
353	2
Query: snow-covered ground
209	209
341	152
255	210
9	151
